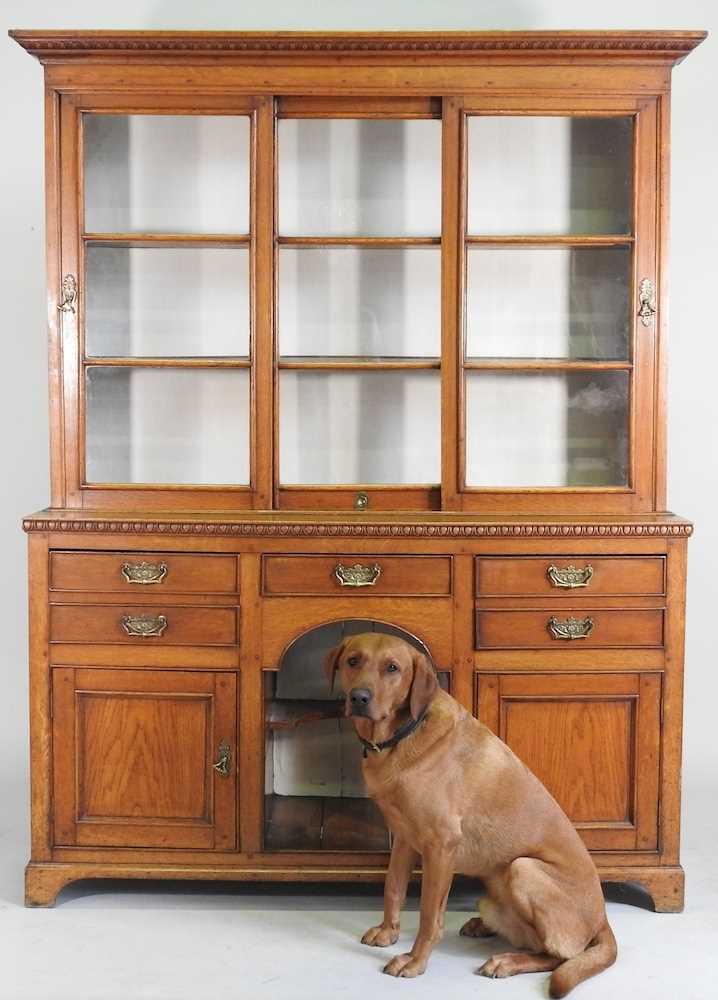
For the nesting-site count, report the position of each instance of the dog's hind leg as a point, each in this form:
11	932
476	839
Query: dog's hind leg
514	963
478	927
547	919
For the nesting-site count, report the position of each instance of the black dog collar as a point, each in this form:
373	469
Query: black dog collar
406	730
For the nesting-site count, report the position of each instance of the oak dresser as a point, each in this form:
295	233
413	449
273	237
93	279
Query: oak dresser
350	331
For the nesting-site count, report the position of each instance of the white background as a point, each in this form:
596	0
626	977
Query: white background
693	395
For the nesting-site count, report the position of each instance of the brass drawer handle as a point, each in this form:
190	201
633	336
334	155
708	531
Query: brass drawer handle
570	628
225	758
144	625
144	572
570	577
357	575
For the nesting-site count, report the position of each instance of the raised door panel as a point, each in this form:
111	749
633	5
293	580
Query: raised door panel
134	756
593	742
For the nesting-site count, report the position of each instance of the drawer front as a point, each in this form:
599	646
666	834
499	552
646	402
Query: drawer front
370	576
172	626
569	627
146	572
570	576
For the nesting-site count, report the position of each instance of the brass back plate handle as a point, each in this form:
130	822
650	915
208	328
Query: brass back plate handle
223	765
570	577
570	628
144	625
357	575
144	572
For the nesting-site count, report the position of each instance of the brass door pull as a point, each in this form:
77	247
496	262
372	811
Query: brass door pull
570	628
570	576
69	294
646	301
144	625
222	766
144	572
357	575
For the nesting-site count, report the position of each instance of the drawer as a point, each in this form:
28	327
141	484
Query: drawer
573	576
405	576
170	626
130	572
575	627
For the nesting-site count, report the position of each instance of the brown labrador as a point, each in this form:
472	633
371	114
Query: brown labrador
455	796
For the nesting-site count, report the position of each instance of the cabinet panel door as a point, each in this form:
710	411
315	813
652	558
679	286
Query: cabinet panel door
592	740
133	758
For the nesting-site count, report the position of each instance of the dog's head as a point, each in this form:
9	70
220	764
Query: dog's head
380	675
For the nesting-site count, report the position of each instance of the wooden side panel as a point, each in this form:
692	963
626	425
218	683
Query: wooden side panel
40	702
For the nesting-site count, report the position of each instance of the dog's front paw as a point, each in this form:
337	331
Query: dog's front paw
405	967
381	936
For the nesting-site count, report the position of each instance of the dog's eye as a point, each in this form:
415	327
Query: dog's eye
353	660
392	668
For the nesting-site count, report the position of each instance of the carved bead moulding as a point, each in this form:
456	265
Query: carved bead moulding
71	44
303	529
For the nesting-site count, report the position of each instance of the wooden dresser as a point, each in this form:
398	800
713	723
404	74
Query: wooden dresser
400	435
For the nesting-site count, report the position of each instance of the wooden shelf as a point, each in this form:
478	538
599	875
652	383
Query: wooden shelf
309	823
286	713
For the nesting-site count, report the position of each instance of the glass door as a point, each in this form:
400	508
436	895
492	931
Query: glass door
359	309
163	318
358	303
551	348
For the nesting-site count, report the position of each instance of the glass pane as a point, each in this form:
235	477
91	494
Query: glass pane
359	427
533	175
166	302
165	425
366	303
538	302
345	177
549	429
166	173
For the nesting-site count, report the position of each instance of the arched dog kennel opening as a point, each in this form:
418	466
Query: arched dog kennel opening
315	799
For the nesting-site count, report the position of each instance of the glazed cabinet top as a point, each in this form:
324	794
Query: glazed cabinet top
410	272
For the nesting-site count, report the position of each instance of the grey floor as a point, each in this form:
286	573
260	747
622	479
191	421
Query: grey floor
171	941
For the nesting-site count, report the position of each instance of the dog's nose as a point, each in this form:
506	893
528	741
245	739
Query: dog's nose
359	698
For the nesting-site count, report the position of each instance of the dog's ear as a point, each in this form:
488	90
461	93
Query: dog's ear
424	685
332	662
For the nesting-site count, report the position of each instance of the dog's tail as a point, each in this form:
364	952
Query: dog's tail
600	953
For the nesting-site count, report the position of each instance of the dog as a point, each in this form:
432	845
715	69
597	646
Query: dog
456	797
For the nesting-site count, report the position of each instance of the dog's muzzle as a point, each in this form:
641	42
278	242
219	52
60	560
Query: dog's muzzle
359	699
